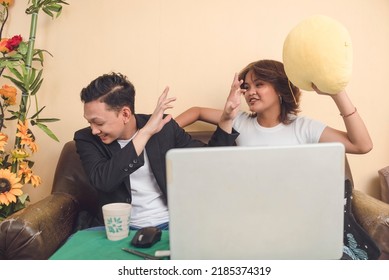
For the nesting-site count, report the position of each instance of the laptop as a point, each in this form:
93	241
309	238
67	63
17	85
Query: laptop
251	203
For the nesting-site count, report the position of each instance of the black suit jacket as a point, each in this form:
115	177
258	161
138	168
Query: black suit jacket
108	166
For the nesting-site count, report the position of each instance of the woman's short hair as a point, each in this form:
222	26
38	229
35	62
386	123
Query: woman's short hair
273	72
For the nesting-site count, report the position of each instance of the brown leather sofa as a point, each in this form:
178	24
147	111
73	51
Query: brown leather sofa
37	231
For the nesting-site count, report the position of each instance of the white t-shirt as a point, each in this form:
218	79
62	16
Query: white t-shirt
148	206
301	130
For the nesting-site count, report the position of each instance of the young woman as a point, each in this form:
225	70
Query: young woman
273	119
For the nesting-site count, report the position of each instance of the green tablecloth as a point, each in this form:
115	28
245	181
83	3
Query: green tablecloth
94	245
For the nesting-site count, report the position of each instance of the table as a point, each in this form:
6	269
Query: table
94	245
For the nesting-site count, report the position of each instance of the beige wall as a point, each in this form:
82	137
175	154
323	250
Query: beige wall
195	47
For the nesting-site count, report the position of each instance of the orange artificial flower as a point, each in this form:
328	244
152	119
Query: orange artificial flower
9	44
10	187
8	93
26	138
3	45
26	172
3	141
7	2
35	180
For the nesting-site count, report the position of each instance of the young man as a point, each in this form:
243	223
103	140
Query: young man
123	153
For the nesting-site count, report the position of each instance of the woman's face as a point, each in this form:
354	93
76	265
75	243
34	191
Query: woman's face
260	95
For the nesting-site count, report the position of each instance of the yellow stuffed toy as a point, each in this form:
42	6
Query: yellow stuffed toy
319	51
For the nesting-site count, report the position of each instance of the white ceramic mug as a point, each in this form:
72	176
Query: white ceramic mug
117	220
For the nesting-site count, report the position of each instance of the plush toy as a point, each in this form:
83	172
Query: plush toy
319	51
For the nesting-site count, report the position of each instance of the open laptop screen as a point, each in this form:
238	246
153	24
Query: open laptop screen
256	202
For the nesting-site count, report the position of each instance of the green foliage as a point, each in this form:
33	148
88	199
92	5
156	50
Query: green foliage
53	8
24	65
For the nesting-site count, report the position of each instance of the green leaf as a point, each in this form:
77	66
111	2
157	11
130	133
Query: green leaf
3	63
30	163
16	73
40	54
15	56
23	198
24	69
54	7
17	83
41	51
9	63
35	90
47	131
11	118
5	164
47	120
48	12
38	60
37	113
14	113
34	83
22	48
32	76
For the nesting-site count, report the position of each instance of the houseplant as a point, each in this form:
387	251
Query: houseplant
21	67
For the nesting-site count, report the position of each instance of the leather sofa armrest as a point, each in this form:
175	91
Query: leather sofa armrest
37	231
384	181
373	215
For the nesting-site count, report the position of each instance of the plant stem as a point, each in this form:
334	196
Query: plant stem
28	62
31	44
1	116
4	21
26	95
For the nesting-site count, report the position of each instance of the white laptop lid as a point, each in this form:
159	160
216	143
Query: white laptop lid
256	202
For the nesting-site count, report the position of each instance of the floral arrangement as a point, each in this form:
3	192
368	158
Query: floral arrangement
21	65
